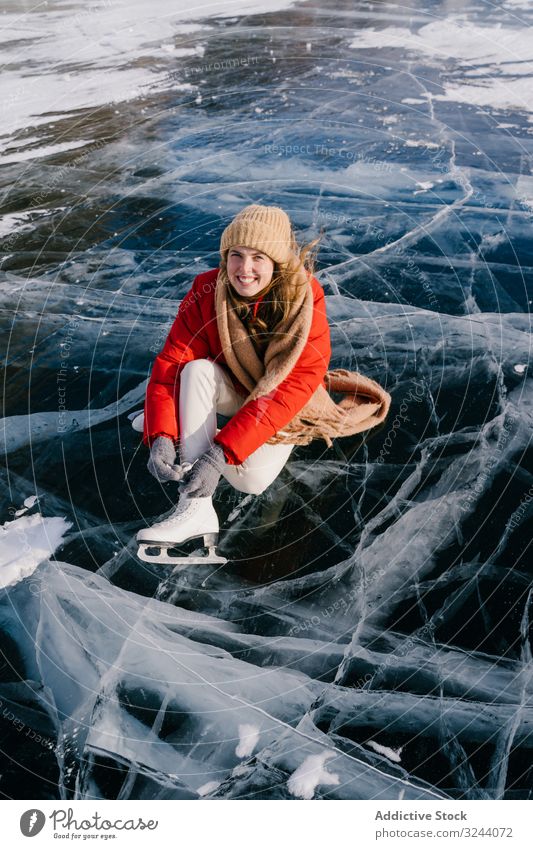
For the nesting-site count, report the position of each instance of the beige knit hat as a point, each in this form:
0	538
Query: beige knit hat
266	228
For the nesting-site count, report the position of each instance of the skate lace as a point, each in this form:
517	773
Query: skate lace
181	511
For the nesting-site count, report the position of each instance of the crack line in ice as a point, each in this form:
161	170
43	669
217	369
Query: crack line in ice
195	674
496	782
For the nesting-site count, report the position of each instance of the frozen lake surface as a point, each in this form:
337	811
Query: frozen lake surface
371	634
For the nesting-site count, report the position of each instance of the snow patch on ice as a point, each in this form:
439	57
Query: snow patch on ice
490	241
524	191
226	8
312	772
20	221
421	143
506	54
26	152
496	93
249	737
111	53
26	542
28	504
453	39
391	754
518	4
240	769
208	787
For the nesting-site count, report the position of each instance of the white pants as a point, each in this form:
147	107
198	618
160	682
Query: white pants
205	391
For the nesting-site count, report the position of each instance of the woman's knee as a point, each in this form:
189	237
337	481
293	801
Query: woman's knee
199	367
259	470
199	376
251	486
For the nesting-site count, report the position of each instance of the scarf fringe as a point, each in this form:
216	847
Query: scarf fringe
364	404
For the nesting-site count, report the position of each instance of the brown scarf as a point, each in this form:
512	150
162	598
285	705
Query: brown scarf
364	404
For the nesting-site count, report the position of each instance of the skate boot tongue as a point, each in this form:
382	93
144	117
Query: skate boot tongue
188	505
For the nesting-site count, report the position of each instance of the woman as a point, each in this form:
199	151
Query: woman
250	342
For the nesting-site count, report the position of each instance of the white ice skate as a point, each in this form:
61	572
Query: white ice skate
192	518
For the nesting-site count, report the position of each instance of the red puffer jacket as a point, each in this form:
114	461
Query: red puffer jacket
194	336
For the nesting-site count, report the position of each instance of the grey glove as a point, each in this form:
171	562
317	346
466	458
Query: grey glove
162	461
204	476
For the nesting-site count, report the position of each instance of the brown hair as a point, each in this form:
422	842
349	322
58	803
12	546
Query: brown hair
287	279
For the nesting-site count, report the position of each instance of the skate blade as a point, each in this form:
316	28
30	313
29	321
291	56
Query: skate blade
158	553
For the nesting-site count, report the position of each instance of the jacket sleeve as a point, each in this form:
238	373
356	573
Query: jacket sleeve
260	419
186	341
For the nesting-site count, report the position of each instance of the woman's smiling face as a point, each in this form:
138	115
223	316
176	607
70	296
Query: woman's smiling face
249	270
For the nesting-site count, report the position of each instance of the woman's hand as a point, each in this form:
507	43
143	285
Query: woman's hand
205	474
162	461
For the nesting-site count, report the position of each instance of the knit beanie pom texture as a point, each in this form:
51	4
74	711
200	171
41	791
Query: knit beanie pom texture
265	228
